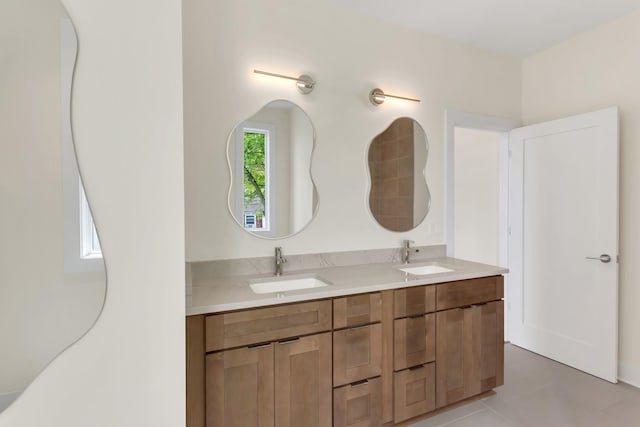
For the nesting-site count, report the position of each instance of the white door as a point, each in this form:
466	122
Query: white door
563	213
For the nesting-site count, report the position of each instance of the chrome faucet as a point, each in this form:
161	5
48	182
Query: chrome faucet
279	261
406	250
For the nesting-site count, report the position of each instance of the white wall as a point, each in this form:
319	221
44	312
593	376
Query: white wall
477	169
595	70
129	369
301	148
347	55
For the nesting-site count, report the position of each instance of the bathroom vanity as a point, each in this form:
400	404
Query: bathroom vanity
376	347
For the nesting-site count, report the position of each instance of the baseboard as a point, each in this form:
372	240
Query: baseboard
7	399
629	374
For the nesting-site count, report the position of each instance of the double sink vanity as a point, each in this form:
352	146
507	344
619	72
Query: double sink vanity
349	343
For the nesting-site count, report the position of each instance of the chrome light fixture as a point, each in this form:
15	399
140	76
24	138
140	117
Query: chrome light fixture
304	83
377	97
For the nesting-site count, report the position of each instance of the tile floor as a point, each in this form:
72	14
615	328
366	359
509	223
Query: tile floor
539	392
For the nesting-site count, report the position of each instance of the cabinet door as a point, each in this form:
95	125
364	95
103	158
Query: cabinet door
414	341
492	345
303	390
357	354
452	342
414	392
470	351
358	405
239	388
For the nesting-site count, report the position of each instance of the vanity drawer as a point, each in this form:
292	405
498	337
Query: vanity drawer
414	341
468	292
358	404
260	325
357	310
357	354
414	301
414	392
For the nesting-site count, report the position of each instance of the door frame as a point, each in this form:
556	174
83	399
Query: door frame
452	120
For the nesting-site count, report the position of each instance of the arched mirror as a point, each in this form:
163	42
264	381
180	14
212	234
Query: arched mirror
272	194
399	198
52	275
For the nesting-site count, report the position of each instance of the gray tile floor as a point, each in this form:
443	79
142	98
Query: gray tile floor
539	392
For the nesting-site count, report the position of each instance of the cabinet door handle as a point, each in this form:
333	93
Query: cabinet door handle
415	368
256	346
359	383
289	341
355	328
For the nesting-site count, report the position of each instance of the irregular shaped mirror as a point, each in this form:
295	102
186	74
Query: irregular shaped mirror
399	198
52	276
272	194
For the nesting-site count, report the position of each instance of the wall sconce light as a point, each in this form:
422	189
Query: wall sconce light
377	97
304	83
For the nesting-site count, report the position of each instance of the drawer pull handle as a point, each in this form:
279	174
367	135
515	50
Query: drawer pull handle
417	316
261	345
359	383
355	328
289	341
415	368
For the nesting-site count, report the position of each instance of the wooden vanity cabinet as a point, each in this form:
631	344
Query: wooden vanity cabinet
287	383
470	343
414	350
357	360
377	359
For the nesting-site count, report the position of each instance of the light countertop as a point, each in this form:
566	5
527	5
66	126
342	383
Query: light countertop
234	293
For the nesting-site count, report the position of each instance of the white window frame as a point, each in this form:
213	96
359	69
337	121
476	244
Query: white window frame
270	228
89	243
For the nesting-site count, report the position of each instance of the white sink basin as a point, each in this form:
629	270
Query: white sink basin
423	270
267	286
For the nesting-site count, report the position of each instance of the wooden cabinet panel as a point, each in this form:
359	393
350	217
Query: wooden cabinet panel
470	351
260	325
414	301
387	356
357	354
449	348
303	391
196	368
414	341
239	388
492	345
357	310
358	405
468	292
414	392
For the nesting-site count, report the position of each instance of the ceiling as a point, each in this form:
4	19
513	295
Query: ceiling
513	27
